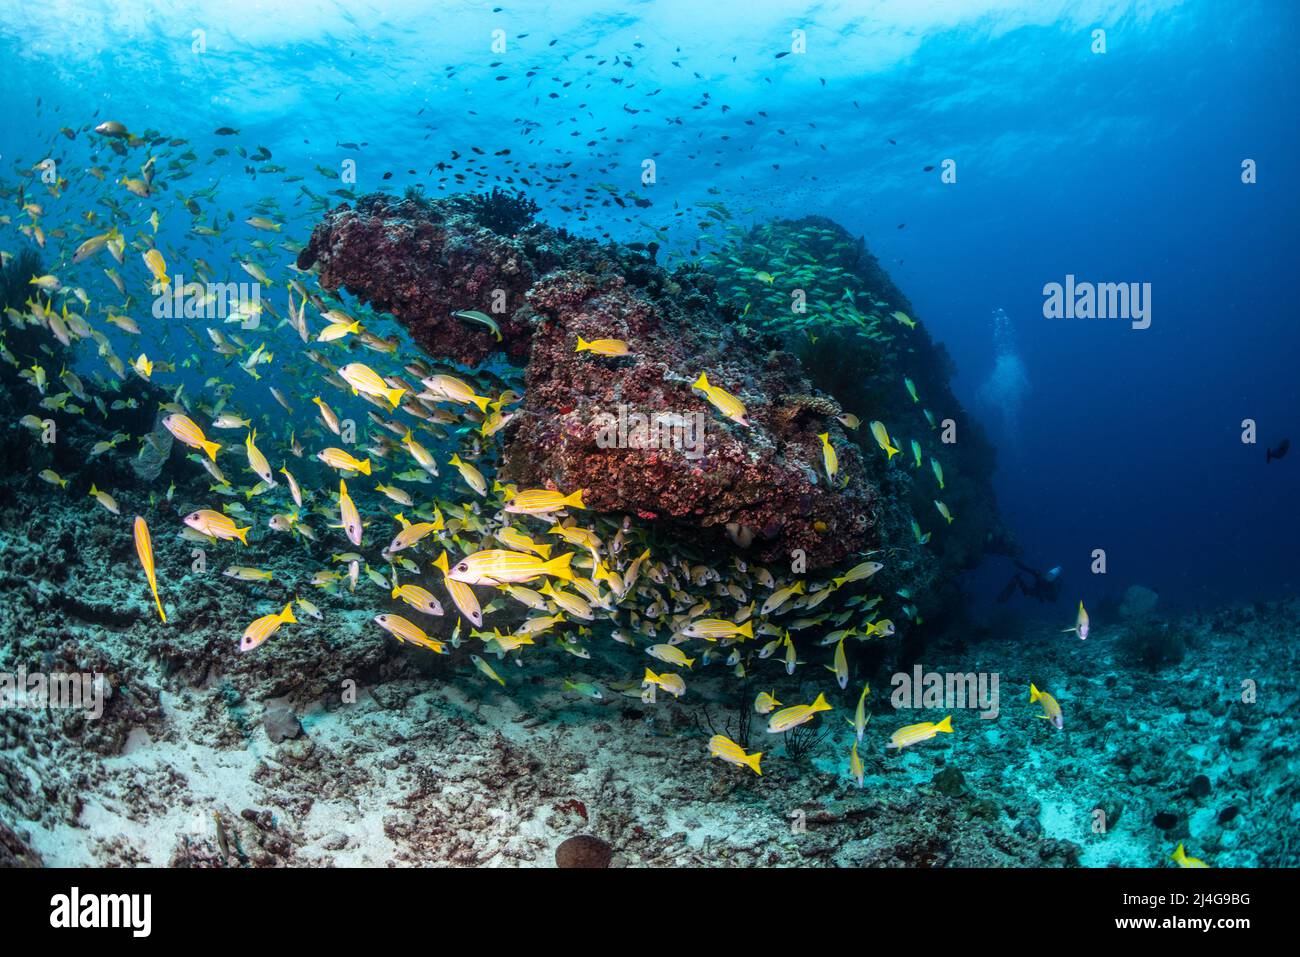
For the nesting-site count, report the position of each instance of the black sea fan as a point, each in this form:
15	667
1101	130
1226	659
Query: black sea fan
504	212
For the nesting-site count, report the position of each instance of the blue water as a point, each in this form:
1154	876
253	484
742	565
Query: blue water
1115	167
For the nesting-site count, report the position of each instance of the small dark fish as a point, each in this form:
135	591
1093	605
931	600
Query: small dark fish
927	169
226	131
1280	452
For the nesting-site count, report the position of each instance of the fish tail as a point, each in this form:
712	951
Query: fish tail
1034	693
287	614
582	344
543	551
752	760
945	725
212	448
574	500
482	402
242	534
688	661
701	383
394	396
891	451
821	704
161	614
747	629
364	466
559	567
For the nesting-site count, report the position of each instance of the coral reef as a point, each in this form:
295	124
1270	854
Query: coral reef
763	484
827	299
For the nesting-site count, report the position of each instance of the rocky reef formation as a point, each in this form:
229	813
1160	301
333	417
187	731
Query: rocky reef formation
578	427
822	294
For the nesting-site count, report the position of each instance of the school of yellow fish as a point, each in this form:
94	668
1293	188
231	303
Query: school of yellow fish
534	558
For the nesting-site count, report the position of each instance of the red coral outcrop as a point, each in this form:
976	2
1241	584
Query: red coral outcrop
764	487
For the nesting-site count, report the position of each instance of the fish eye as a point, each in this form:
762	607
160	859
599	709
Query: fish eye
462	567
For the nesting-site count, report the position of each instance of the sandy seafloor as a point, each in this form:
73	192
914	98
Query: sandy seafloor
433	765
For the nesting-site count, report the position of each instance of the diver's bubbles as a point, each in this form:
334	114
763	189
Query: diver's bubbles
1004	391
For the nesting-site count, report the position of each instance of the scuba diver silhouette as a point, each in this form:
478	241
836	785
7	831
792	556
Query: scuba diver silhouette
1045	586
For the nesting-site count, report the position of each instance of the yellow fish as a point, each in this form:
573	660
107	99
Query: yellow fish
882	439
472	476
943	510
916	733
349	515
461	594
674	684
499	566
421	599
542	501
855	765
344	461
722	400
1081	623
144	549
720	746
184	429
153	259
829	458
327	415
603	347
765	703
104	499
408	631
1180	857
264	627
209	522
245	574
711	629
486	669
365	381
454	390
257	461
788	718
1051	709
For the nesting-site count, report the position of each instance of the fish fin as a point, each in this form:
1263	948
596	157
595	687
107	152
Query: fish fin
243	534
752	760
701	383
582	344
212	448
482	402
394	396
287	614
364	466
1034	693
945	725
559	567
574	500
